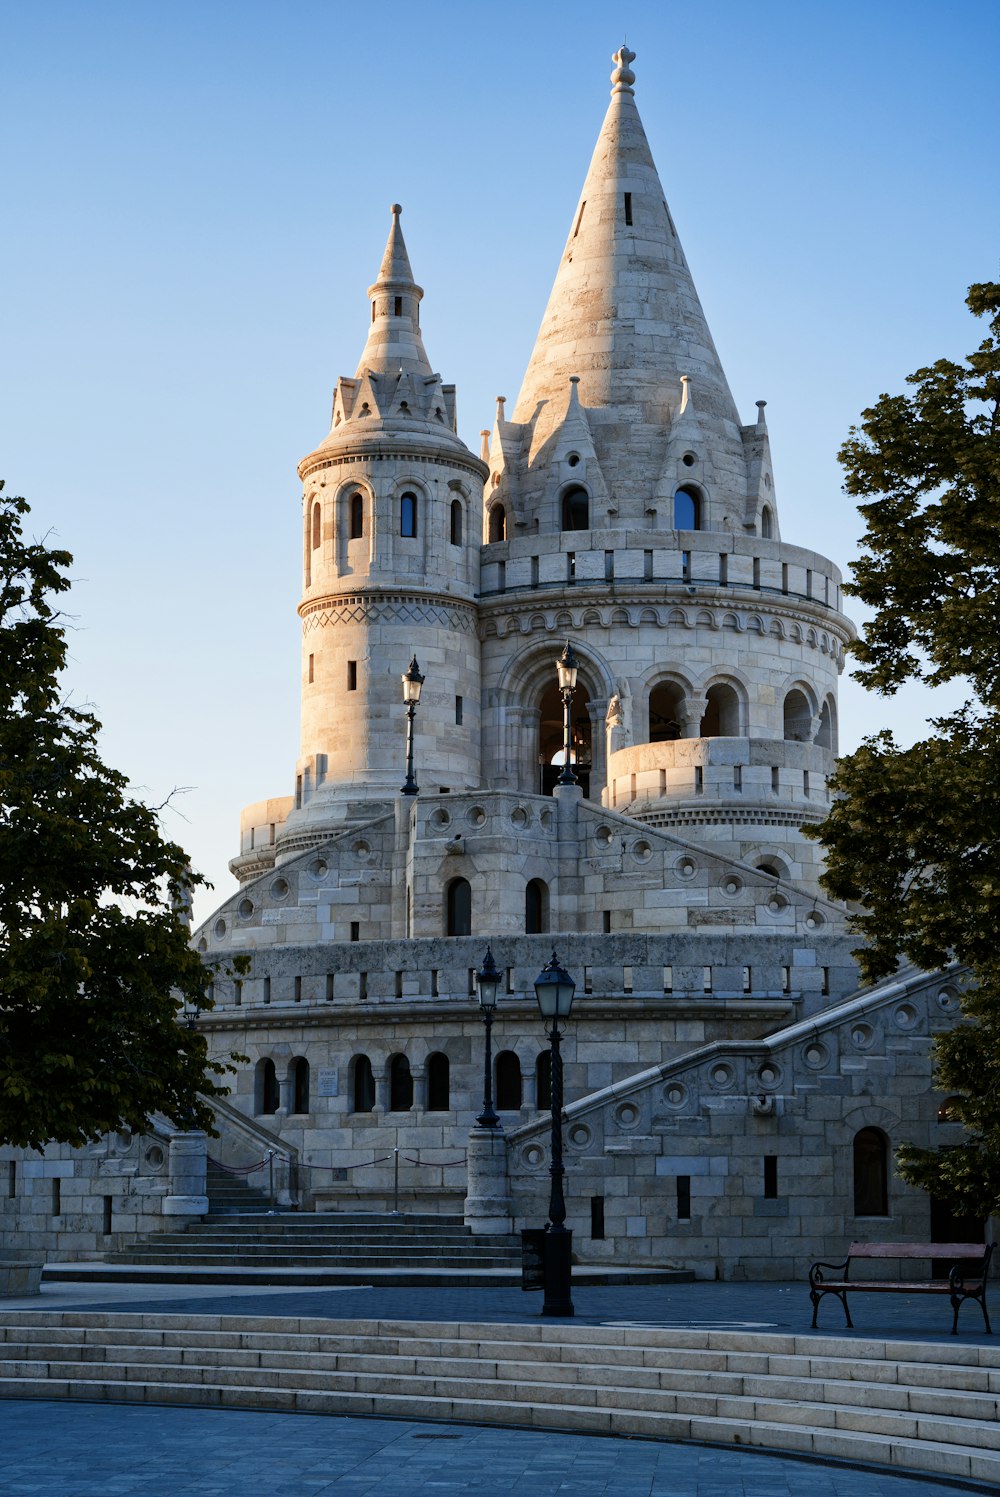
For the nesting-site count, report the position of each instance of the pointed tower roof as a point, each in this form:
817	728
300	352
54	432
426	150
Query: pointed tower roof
394	396
623	313
394	343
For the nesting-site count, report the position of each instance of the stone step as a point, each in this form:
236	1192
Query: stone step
920	1453
703	1391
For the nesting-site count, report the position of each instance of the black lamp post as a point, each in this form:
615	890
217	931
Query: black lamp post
566	668
412	682
554	989
488	982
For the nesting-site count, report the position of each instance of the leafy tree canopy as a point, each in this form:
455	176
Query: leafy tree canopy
913	835
94	957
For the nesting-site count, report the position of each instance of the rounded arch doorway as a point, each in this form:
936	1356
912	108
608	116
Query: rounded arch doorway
551	747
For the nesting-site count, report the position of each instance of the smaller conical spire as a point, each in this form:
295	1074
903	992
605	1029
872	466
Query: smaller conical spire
394	343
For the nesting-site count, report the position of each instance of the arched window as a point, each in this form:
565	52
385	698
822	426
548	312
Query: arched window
722	712
267	1096
438	1098
576	509
826	736
666	712
456	522
871	1173
543	1079
317	528
357	518
362	1084
766	524
507	1081
536	907
458	908
687	509
797	717
771	869
300	1084
408	516
498	523
400	1084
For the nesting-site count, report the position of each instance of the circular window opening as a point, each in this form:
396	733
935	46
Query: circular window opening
519	817
642	852
362	851
220	927
155	1157
689	459
603	835
675	1094
573	459
203	944
476	817
279	888
732	885
245	909
814	920
441	818
685	868
319	868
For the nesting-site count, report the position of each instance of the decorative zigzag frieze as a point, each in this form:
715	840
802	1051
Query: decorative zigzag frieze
389	610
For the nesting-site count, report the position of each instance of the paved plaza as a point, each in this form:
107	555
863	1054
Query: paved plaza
107	1450
58	1449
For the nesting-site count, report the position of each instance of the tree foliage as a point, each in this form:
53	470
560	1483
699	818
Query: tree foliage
94	957
913	835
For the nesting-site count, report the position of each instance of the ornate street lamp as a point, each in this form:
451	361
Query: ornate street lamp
412	682
566	668
488	982
554	989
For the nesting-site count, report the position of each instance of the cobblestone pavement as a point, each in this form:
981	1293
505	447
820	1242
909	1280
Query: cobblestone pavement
53	1449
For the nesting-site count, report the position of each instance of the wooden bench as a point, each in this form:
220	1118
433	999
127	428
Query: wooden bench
967	1279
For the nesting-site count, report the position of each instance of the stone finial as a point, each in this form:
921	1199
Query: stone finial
623	76
501	402
761	419
484	445
395	209
685	393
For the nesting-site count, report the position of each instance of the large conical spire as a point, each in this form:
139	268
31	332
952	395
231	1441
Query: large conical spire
394	343
623	314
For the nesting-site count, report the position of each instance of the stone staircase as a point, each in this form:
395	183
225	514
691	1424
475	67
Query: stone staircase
230	1194
330	1248
915	1406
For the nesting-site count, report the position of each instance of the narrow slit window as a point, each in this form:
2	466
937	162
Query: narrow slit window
628	209
668	979
352	675
706	979
408	516
748	979
626	979
647	566
723	569
459	711
597	1218
770	1177
579	218
397	306
355	930
683	1198
756	573
312	669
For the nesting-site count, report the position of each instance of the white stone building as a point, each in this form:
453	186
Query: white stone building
732	1098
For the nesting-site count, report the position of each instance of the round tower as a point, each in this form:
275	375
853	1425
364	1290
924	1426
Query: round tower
629	507
392	500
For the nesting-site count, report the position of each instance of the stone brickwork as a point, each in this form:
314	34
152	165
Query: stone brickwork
627	507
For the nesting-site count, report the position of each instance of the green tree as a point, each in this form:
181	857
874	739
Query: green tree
94	958
913	835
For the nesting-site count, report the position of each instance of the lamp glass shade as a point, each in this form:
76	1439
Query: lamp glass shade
566	669
488	983
554	990
412	682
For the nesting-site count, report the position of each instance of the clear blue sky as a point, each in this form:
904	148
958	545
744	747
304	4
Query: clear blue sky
196	198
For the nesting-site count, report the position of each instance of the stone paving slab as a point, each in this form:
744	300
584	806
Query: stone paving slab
104	1450
769	1307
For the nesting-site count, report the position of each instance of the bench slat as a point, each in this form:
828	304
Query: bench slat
917	1250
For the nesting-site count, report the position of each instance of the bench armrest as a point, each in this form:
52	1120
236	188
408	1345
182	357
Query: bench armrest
816	1275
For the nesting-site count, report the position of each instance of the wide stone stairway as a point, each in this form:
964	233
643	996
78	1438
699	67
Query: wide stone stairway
910	1405
329	1248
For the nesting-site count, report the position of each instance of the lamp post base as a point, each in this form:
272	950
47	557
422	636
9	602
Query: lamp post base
558	1272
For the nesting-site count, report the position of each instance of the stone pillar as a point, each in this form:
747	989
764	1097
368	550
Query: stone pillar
692	714
487	1204
188	1170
